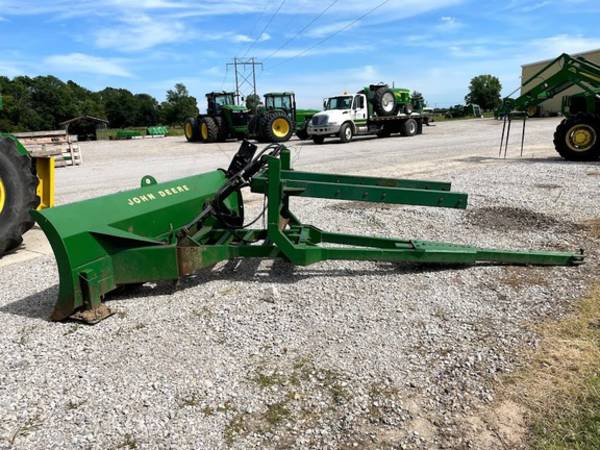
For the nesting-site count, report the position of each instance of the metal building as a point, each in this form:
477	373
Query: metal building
553	106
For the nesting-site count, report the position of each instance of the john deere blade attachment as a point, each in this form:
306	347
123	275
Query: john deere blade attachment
170	230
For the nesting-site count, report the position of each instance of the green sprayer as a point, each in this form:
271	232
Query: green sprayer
169	230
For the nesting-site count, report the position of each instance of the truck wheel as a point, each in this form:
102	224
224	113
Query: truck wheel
578	138
384	132
209	130
276	127
318	139
17	195
302	134
409	128
222	129
385	102
346	133
191	130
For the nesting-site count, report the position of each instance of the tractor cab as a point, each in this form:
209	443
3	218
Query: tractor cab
283	101
216	101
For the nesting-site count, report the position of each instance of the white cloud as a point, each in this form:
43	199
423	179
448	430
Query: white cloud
564	43
245	38
82	63
448	23
325	30
140	33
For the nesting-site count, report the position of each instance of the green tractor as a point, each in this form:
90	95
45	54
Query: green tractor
226	120
223	120
286	102
26	184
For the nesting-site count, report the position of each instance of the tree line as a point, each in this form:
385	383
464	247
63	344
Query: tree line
42	103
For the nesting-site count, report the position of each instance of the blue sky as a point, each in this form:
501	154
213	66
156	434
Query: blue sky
434	46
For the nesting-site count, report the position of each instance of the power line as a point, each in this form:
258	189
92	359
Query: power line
341	30
256	22
265	27
306	27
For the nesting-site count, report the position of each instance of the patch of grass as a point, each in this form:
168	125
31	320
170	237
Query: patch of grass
277	413
560	388
579	429
129	442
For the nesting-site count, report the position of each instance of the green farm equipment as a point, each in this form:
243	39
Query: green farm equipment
226	120
26	183
223	120
167	231
286	102
577	137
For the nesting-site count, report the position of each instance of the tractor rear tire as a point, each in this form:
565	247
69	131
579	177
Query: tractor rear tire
18	196
578	138
222	127
191	130
276	127
385	102
318	139
209	131
409	128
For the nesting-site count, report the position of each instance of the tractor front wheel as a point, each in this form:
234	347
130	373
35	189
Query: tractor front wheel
209	131
385	102
276	127
190	129
578	138
18	195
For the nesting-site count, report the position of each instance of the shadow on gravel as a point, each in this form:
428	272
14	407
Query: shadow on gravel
40	305
36	306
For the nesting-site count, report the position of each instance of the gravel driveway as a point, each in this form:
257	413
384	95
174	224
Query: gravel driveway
265	355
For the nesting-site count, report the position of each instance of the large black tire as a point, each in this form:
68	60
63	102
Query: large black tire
385	102
302	133
191	130
384	132
346	133
222	129
318	139
18	195
409	128
209	131
276	127
578	138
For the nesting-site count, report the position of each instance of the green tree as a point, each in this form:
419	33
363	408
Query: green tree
252	101
178	106
484	91
120	106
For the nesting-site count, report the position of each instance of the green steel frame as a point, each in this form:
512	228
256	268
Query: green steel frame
153	233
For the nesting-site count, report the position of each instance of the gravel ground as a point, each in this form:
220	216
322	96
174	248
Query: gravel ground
265	355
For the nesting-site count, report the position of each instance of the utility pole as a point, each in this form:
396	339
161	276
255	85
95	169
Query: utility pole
245	76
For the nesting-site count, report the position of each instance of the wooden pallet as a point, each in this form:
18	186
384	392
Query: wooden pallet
58	144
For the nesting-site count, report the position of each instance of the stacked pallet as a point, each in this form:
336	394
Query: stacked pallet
44	144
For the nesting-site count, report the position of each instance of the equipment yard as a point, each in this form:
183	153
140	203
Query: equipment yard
340	354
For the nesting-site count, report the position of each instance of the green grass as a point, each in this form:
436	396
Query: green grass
577	429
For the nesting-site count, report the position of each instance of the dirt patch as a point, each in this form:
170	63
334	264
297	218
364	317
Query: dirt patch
593	173
517	278
505	218
547	387
593	227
